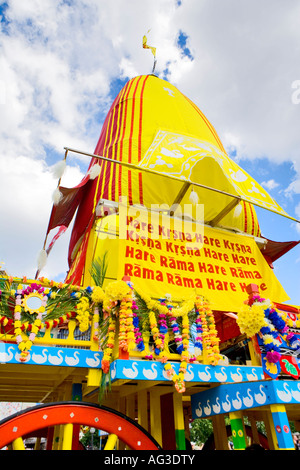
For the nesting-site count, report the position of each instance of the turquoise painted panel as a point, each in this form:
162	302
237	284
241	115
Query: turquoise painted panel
283	430
234	397
51	356
154	370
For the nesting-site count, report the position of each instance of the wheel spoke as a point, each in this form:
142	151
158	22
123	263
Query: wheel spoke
67	436
111	442
18	444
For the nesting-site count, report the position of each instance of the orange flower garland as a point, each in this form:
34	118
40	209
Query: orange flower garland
105	363
209	333
126	332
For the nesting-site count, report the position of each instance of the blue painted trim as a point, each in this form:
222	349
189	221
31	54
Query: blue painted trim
154	370
128	369
51	356
283	430
234	397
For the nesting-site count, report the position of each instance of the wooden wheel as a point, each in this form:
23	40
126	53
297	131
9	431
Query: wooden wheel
70	414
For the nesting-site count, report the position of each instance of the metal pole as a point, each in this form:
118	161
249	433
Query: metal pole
183	181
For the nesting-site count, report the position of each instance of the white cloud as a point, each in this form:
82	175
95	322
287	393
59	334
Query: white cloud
59	58
245	62
270	184
297	212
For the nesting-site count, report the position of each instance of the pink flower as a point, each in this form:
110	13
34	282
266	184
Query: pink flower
273	356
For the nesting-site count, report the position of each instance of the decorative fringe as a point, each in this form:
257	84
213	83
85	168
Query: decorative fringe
57	196
194	198
59	169
94	171
42	259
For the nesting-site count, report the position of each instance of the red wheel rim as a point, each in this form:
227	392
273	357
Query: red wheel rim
99	417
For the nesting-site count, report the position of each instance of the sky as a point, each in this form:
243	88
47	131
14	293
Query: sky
62	63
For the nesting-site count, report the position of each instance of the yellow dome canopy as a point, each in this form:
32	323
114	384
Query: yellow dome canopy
153	125
156	147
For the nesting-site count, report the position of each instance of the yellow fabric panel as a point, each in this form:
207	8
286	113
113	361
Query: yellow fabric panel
146	106
196	160
215	263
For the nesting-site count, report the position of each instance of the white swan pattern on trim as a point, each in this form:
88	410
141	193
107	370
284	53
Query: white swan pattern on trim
205	376
151	373
284	395
248	399
40	358
221	376
72	361
131	373
56	360
93	361
237	377
261	397
7	355
217	407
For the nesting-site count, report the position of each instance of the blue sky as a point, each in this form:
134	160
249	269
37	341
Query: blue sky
63	62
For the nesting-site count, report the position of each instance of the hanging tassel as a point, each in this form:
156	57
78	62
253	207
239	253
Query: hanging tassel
59	169
94	171
194	198
42	260
237	211
57	196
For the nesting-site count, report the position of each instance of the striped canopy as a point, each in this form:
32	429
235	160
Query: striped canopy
172	148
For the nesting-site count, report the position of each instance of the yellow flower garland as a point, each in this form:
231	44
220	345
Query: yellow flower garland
120	292
209	334
97	295
251	319
151	304
83	314
117	290
185	356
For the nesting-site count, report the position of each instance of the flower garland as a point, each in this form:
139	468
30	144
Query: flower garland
83	314
155	334
21	295
107	353
208	331
182	343
280	321
199	331
289	322
96	331
161	307
262	318
126	332
4	321
118	304
185	356
117	290
97	295
251	318
136	324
